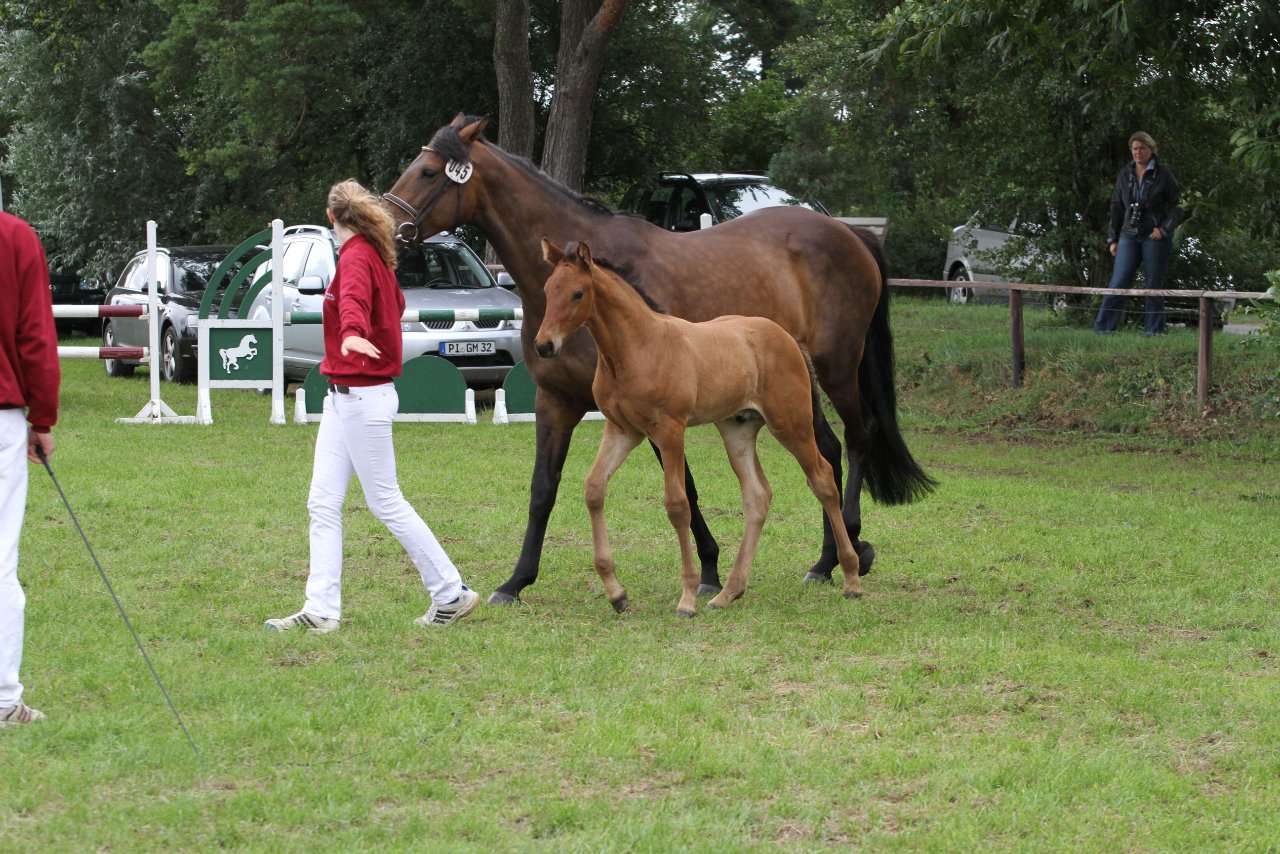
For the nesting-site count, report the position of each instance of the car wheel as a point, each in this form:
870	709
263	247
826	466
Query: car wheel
113	367
172	368
960	296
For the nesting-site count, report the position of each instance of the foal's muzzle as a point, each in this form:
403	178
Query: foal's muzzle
547	349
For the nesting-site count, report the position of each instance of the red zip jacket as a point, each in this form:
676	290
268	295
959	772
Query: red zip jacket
29	370
363	299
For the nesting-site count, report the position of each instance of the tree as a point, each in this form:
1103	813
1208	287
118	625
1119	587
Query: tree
1026	109
585	29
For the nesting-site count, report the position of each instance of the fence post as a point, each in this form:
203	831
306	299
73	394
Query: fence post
1204	366
1015	330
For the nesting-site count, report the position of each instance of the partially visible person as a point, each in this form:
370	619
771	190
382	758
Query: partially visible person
1144	213
362	353
29	381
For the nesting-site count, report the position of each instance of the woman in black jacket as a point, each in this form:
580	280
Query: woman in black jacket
1144	211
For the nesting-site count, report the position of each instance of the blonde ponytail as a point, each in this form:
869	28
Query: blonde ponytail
362	211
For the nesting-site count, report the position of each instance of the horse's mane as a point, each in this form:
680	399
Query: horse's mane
627	273
449	144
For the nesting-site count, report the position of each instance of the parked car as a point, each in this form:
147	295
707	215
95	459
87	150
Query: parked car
979	253
183	273
441	273
676	200
70	289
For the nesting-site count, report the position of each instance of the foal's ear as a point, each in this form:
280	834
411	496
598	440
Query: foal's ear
551	253
584	254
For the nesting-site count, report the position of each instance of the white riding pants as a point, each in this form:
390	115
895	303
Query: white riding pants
13	505
355	438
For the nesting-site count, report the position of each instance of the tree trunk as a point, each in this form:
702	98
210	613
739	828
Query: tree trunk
515	76
585	29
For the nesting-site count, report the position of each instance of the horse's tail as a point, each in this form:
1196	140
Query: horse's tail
890	473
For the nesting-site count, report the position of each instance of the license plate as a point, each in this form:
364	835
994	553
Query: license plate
467	348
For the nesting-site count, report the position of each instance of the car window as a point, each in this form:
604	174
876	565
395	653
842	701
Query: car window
654	207
130	271
138	275
734	200
194	272
689	207
294	255
320	263
443	265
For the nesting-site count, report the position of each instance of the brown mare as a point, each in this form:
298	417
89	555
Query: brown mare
655	376
817	278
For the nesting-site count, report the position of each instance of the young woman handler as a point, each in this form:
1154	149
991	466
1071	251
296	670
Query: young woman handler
362	346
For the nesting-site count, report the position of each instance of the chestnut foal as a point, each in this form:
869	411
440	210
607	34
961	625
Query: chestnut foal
655	376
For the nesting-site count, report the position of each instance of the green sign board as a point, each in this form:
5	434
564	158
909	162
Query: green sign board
240	353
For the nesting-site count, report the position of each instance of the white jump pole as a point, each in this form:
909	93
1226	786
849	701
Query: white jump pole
156	411
277	322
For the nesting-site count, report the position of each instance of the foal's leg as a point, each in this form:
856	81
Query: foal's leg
708	549
740	443
829	447
669	437
614	448
848	407
796	437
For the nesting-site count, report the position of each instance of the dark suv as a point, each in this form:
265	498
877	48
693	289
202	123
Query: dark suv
184	272
70	289
677	200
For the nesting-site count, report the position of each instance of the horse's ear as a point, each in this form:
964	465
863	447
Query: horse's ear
551	253
584	254
470	133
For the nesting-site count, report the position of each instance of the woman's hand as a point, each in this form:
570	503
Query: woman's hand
1157	234
1113	250
356	344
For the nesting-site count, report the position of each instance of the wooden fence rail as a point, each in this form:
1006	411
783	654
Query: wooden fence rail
1204	359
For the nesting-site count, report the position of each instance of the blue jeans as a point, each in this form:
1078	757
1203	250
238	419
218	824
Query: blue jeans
1154	255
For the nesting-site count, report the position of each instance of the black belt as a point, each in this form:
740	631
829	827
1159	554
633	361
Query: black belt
340	389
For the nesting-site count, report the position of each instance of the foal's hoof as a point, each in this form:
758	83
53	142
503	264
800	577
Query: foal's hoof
683	614
723	601
497	597
866	556
812	577
853	594
619	604
708	590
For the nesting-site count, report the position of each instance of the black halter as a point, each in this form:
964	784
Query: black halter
419	215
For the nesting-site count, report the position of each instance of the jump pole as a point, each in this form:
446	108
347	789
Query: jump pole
156	411
91	311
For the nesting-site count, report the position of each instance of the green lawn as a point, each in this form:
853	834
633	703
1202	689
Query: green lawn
1072	645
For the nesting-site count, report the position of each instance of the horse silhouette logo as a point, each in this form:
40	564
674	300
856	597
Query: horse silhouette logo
231	355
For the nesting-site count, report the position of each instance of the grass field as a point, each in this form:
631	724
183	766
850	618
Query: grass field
1072	645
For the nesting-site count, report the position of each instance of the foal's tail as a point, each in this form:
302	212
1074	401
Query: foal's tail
890	473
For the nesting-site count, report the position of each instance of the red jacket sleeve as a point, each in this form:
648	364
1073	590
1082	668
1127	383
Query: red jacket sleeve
37	337
355	303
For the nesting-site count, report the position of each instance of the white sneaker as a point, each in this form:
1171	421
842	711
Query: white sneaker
316	625
443	615
20	713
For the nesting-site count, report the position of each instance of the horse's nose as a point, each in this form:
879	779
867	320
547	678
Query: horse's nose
546	349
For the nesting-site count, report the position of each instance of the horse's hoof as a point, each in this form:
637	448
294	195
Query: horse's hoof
708	590
497	597
853	594
812	577
619	604
866	556
684	615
